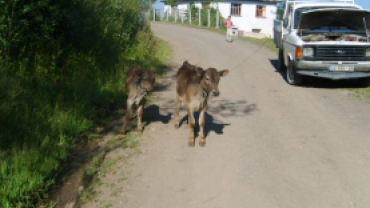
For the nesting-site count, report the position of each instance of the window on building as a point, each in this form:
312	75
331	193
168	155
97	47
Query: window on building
236	9
261	11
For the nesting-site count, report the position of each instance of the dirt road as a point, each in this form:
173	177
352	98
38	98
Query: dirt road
269	145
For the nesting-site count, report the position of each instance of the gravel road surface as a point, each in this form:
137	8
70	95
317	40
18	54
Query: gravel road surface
269	144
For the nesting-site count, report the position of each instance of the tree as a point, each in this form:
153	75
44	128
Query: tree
172	2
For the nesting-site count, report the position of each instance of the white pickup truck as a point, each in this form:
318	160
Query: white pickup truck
322	38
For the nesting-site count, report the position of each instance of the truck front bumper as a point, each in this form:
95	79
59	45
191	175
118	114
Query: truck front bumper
361	69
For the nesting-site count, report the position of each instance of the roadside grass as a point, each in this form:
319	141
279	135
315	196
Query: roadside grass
163	53
362	93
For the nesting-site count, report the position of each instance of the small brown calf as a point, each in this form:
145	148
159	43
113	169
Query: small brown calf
138	84
194	85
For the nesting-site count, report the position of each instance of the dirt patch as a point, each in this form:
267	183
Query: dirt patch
80	169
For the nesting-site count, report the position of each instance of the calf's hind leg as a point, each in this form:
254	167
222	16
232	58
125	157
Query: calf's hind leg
177	112
128	115
139	113
202	122
191	122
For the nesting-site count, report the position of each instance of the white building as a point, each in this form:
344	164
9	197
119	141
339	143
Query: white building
252	17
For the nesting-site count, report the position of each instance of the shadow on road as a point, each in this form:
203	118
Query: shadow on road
222	108
152	114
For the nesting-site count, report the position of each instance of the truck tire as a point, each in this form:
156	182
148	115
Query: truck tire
365	82
292	77
281	65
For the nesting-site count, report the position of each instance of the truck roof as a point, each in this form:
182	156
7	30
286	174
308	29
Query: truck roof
322	3
325	4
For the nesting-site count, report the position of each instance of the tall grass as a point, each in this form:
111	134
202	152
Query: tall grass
62	68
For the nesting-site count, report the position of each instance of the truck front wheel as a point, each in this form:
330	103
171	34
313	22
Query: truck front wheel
292	77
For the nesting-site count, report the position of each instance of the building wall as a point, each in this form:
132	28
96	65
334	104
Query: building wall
247	21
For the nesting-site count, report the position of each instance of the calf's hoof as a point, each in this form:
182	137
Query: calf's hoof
139	129
202	143
177	125
191	143
123	130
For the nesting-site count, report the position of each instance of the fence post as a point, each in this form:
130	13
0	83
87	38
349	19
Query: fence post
176	15
200	16
189	14
153	14
167	14
209	18
217	19
182	16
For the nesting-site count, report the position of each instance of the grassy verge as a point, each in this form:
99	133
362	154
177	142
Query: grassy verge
362	93
63	72
163	52
50	129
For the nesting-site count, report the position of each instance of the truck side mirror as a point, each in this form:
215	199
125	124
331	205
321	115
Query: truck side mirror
285	22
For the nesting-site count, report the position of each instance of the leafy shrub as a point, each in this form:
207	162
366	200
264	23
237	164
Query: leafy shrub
62	68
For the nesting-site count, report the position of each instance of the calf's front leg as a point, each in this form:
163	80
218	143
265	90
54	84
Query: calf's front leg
202	122
139	113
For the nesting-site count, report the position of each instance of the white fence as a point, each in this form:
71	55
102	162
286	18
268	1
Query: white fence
193	16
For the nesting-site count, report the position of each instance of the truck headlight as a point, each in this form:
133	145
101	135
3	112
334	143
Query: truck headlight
367	52
310	52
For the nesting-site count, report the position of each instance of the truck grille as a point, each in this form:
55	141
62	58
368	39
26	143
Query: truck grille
340	53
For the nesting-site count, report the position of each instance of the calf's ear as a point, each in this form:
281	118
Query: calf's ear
223	73
199	71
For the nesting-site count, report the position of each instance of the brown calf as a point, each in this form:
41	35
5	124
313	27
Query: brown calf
194	85
138	84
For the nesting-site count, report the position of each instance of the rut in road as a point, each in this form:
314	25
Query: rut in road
269	144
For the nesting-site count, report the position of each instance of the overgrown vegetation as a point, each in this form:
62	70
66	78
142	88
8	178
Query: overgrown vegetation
62	68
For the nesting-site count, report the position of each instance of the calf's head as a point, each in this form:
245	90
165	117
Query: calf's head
210	79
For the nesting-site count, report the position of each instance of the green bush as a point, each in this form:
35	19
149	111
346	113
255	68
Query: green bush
62	68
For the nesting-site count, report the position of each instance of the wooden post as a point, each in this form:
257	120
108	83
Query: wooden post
153	14
167	14
209	18
176	15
